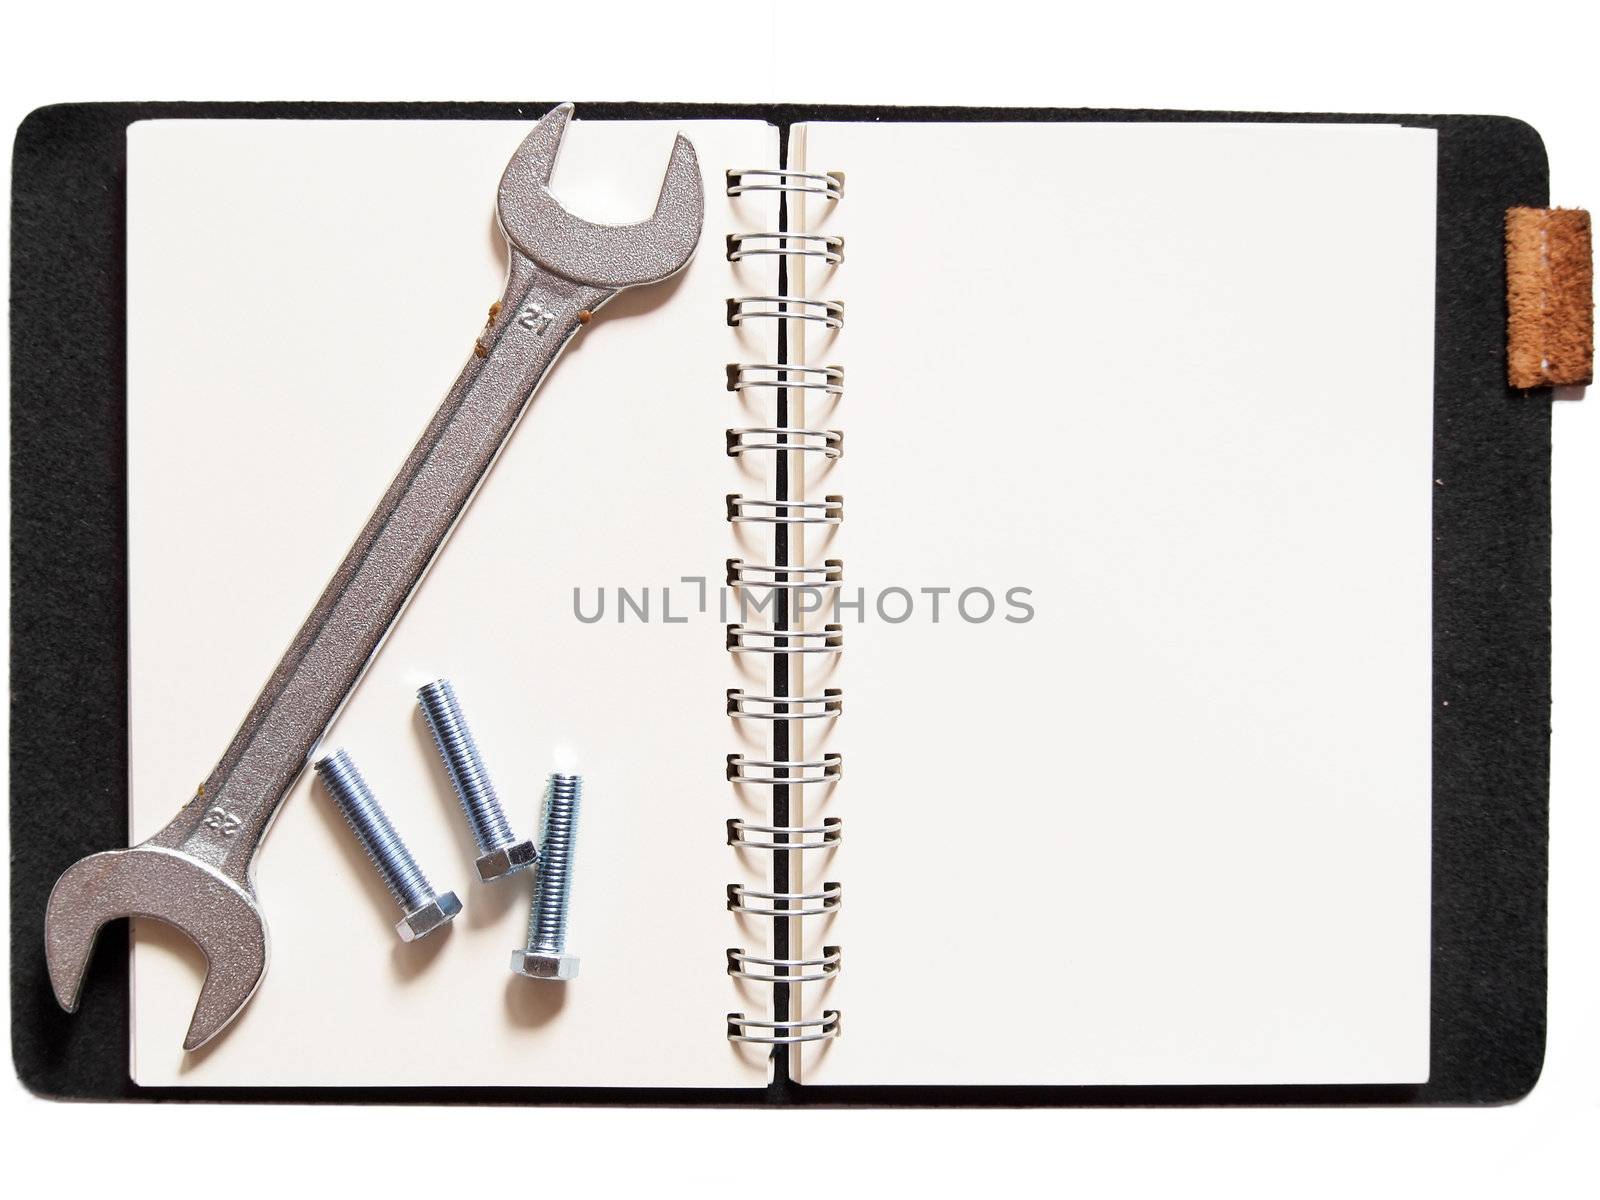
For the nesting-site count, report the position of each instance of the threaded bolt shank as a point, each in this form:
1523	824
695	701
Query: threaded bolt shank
425	909
552	895
546	954
501	853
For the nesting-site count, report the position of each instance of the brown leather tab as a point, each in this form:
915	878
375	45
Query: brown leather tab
1550	293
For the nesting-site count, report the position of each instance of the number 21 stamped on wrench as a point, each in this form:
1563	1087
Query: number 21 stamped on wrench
197	874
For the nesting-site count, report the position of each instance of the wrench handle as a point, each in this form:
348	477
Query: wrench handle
228	817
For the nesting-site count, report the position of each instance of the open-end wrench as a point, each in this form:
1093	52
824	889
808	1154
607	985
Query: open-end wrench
197	874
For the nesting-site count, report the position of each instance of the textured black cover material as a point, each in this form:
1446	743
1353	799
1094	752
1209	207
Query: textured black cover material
69	647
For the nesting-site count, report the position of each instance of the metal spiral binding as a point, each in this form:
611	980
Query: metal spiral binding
747	707
828	247
827	640
829	184
745	376
798	450
827	442
742	574
794	904
816	1029
783	970
785	308
796	837
827	511
826	769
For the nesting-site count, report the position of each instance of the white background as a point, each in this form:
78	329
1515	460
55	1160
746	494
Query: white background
1534	62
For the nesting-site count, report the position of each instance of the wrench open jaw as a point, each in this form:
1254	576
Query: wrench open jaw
604	256
215	913
197	874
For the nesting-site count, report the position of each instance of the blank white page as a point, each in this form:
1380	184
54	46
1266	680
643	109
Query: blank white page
301	297
1175	380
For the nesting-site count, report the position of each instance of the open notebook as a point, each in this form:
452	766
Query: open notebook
1100	644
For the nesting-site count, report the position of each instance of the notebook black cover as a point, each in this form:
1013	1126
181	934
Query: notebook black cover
69	681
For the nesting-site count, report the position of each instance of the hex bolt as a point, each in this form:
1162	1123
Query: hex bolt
425	910
501	854
545	956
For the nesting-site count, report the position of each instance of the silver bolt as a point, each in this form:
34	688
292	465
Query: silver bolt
501	853
425	909
545	956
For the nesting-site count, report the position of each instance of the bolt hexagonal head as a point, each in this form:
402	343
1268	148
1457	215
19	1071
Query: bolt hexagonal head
435	915
536	964
507	860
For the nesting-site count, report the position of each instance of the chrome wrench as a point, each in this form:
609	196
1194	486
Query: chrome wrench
197	874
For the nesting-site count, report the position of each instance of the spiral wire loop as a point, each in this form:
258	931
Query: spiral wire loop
827	640
786	833
827	442
785	773
745	509
795	837
742	574
783	904
784	1033
828	247
746	376
783	970
785	308
750	707
828	184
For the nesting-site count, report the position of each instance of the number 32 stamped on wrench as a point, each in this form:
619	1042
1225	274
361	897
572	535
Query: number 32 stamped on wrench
197	873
